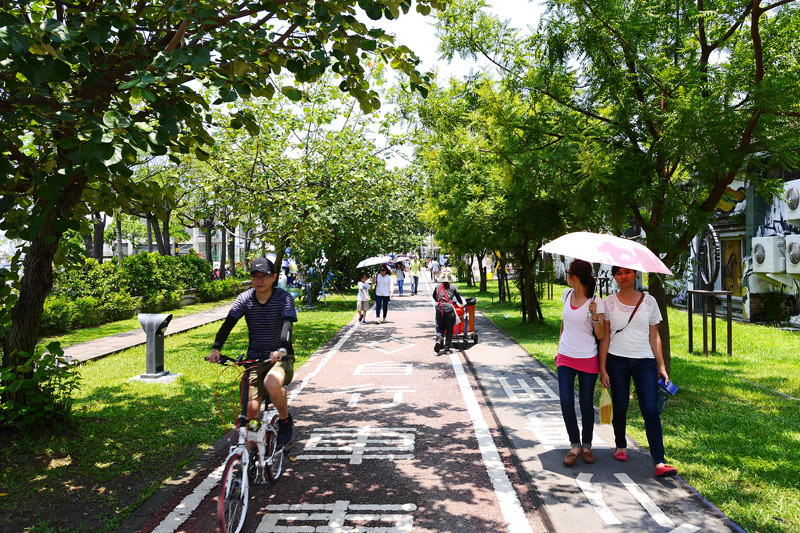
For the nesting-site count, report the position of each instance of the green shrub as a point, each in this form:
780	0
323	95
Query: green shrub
92	279
194	271
164	300
38	389
219	289
120	306
86	312
57	315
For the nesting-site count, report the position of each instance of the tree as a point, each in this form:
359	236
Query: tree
131	229
675	99
88	88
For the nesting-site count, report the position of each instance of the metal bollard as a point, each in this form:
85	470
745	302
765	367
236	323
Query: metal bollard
154	326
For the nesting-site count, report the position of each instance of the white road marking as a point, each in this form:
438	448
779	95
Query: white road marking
539	392
648	504
685	528
595	497
190	502
506	496
335	516
357	391
361	443
384	368
549	430
376	345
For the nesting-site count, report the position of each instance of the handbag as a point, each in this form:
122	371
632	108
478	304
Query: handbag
606	408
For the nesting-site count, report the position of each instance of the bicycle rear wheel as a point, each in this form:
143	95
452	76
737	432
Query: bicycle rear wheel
233	495
274	456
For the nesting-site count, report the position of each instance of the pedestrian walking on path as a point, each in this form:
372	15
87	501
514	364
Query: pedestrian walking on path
434	270
362	300
444	296
415	267
400	276
384	289
577	357
631	349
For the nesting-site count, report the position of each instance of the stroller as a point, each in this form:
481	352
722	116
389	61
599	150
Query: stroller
464	331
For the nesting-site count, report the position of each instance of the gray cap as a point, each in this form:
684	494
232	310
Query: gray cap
262	265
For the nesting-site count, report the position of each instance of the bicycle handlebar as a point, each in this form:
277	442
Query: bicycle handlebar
224	360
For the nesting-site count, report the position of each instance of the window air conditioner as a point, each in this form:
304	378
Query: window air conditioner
793	254
792	192
769	254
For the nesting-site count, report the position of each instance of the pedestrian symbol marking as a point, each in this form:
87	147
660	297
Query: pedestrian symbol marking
390	345
339	516
359	443
384	368
527	392
595	497
549	430
357	391
645	501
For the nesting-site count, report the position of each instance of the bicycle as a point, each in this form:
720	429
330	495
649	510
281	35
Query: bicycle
262	458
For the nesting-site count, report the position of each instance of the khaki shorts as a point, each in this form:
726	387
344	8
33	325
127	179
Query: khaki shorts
284	369
362	305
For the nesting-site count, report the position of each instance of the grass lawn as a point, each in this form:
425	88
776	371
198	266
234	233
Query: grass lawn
127	437
736	442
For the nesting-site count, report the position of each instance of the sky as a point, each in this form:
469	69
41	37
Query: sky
418	33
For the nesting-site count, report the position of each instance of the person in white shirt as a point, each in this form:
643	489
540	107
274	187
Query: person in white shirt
577	357
384	288
362	300
435	270
631	349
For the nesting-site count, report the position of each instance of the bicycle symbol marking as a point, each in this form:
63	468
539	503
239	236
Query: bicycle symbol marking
359	443
390	345
338	516
356	391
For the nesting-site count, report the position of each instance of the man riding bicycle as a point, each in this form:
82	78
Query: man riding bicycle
269	312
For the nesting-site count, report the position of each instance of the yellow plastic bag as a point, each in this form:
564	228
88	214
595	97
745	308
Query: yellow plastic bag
606	409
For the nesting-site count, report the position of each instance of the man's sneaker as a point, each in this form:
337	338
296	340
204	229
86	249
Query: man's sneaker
285	431
438	345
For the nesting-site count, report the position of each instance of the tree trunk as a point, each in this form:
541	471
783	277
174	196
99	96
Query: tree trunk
223	256
482	272
526	284
501	287
247	242
118	224
165	236
209	235
87	243
658	292
232	254
157	234
149	236
470	277
99	228
37	280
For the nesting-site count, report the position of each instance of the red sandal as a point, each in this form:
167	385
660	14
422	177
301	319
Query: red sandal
665	471
621	454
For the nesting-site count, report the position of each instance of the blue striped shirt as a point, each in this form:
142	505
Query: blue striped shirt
264	321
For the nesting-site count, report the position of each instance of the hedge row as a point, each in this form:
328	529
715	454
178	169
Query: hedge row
101	293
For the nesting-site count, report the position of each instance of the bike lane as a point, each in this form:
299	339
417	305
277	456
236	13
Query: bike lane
388	437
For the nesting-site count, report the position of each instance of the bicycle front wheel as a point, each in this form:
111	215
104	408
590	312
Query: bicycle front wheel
233	495
274	455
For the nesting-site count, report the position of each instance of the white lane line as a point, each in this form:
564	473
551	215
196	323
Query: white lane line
506	496
190	503
595	497
685	528
648	504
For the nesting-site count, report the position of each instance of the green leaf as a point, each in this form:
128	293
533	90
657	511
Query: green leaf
115	119
292	93
201	154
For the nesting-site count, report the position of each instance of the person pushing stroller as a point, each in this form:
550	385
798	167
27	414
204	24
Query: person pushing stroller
445	295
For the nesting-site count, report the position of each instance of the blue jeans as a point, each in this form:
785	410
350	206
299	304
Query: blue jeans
415	285
381	301
400	285
566	392
645	377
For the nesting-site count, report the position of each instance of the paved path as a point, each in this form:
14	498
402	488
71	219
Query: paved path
114	343
390	437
